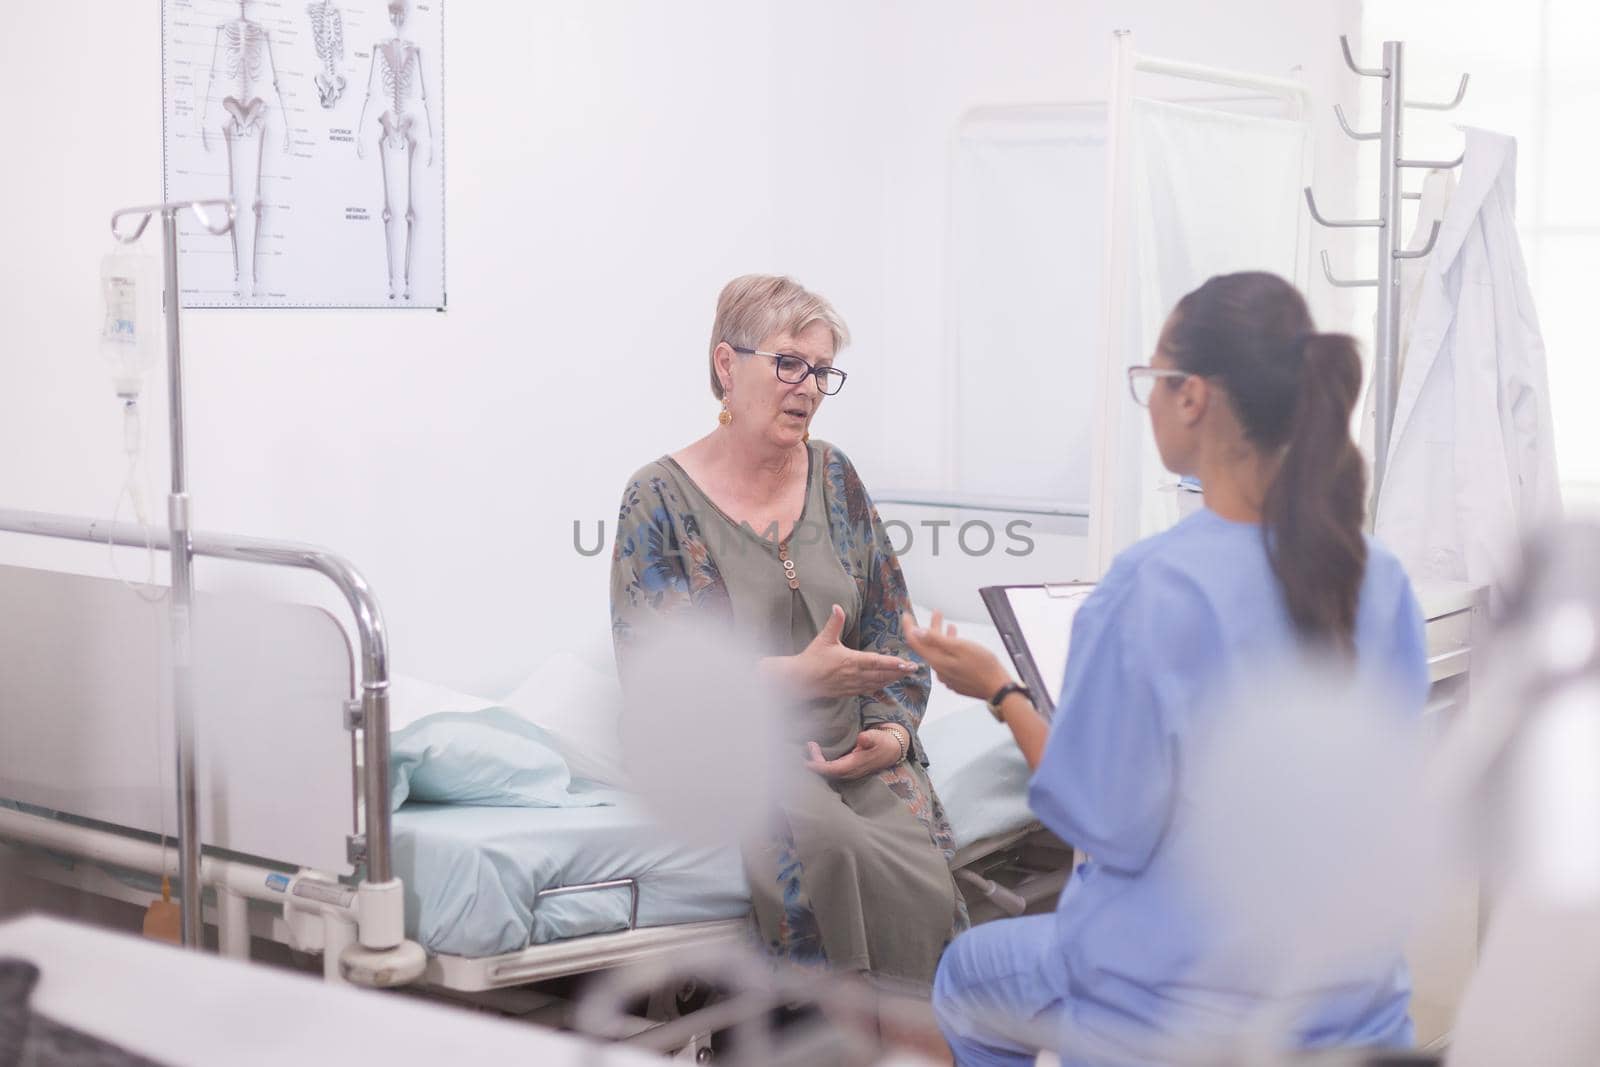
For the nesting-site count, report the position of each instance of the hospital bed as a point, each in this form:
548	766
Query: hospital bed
597	887
292	822
506	895
499	897
605	888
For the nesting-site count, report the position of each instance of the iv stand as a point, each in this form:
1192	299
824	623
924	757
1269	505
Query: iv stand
182	548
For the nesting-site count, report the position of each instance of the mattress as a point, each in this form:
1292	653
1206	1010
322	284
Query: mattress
473	874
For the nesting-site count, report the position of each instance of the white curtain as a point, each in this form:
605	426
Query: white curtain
1213	192
1027	228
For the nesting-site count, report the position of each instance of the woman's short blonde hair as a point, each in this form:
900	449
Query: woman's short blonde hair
753	307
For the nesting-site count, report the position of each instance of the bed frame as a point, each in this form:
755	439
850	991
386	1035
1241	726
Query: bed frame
297	836
306	861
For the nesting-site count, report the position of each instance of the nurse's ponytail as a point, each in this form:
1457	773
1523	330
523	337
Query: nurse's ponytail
1293	391
1314	509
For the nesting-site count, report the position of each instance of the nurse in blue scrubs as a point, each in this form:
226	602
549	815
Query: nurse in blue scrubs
1246	396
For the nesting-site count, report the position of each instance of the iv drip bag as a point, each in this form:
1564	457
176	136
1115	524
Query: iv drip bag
130	335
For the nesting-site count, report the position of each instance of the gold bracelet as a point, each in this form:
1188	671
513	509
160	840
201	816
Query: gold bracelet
901	741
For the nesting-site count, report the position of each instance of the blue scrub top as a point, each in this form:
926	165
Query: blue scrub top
1182	619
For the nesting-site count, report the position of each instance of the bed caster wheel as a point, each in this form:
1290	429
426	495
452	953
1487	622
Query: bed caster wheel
705	1055
383	968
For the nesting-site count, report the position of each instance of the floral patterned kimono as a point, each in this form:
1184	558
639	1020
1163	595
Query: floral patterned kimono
855	874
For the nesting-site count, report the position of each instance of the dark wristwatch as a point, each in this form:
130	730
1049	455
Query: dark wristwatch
1005	691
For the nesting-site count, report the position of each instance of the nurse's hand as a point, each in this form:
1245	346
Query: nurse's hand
876	750
827	668
964	666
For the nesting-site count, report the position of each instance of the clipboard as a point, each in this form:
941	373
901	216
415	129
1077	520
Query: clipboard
1035	624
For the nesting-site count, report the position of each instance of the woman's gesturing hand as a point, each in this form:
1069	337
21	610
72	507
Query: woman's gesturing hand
964	666
877	749
827	668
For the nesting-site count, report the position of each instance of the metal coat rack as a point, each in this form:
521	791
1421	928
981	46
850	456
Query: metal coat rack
1391	197
181	543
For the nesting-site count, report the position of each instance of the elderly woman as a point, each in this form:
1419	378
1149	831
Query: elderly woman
759	526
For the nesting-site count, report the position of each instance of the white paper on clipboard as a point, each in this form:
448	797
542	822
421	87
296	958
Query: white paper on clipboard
1035	622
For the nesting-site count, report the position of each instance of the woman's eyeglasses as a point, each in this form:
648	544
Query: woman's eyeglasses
1142	381
792	370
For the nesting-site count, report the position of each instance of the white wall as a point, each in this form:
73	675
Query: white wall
610	165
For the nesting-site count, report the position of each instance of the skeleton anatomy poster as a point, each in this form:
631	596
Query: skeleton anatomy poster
323	121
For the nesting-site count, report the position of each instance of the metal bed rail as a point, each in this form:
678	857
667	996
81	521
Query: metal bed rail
630	884
383	918
319	913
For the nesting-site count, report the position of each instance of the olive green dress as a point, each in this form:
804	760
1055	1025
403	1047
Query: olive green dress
853	873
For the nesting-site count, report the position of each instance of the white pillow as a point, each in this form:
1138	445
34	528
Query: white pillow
581	708
412	698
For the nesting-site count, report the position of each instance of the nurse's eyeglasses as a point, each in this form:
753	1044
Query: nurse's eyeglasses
1142	381
792	370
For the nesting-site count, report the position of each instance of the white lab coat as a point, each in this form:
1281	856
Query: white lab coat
1472	466
1437	188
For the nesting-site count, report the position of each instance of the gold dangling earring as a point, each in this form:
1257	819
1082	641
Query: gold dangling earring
726	416
805	437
